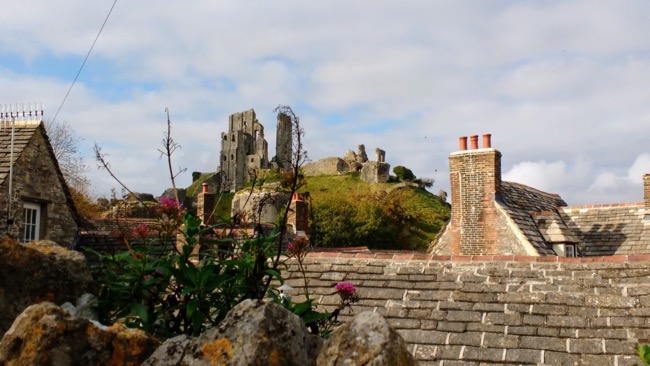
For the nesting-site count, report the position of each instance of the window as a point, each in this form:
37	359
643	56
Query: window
570	250
32	221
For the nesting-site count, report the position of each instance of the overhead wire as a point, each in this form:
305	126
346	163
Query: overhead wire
84	63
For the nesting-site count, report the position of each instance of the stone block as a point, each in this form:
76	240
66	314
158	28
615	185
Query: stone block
496	340
528	356
464	316
586	346
545	343
560	359
483	354
467	338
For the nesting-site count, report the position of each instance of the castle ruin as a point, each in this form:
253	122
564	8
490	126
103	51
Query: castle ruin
243	149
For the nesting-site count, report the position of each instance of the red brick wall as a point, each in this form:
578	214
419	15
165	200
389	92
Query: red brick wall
475	177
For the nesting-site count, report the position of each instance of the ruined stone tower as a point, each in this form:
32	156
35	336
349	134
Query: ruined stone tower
243	147
475	177
283	147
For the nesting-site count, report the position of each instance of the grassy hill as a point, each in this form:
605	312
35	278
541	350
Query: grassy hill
347	211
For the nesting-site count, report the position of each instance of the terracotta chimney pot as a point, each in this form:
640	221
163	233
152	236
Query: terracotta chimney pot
474	141
487	141
462	143
204	187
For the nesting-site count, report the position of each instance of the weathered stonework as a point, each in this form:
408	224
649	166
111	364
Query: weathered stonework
243	148
377	171
37	180
495	310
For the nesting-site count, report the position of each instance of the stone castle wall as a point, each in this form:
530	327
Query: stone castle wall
496	309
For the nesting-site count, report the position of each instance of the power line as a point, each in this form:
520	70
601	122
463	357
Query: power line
84	63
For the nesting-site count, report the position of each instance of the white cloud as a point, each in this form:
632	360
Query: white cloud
549	83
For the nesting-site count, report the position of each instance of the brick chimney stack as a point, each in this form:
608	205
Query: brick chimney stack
475	177
205	203
646	193
299	213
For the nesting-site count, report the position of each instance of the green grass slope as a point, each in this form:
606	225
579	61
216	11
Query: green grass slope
347	211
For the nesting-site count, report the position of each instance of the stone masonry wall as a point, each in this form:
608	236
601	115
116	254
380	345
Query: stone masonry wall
36	180
496	309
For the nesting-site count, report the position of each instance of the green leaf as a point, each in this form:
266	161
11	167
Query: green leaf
192	305
141	312
314	316
302	307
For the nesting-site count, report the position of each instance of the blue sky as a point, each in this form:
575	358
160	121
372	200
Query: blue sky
561	85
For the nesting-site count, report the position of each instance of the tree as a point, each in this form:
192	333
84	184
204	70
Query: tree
65	144
403	173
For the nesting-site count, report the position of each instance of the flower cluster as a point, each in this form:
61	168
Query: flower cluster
298	247
348	292
141	231
170	215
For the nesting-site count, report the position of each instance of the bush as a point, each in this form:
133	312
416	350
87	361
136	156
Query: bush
403	173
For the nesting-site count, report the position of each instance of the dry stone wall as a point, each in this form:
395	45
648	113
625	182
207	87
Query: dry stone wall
496	309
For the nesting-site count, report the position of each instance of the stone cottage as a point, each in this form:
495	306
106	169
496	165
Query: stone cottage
494	217
35	202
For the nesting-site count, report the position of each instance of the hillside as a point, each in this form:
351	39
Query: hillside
347	211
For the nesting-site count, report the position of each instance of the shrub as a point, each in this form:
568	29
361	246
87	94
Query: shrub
403	173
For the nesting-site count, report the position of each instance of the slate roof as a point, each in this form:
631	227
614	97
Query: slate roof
618	229
519	201
23	133
502	310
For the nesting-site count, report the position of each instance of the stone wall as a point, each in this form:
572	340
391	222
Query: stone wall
496	309
36	179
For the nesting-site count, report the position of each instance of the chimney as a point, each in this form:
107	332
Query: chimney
205	203
475	177
474	140
646	193
487	141
299	213
462	143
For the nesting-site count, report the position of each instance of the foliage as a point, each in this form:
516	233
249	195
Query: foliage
644	353
65	145
319	322
403	173
346	211
167	287
168	292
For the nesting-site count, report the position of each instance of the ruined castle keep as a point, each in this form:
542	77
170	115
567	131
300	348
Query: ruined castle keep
243	148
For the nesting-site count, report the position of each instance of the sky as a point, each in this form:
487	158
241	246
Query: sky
562	86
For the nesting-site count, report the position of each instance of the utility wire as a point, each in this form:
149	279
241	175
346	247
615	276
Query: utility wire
84	63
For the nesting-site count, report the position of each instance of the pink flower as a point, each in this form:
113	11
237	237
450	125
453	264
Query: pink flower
291	248
347	291
168	202
141	231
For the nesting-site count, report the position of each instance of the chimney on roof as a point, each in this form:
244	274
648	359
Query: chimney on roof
299	213
646	193
475	177
205	203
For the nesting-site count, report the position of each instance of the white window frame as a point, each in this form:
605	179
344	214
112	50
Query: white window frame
32	223
570	250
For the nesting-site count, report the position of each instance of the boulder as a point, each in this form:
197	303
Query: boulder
38	271
367	339
46	334
251	334
375	172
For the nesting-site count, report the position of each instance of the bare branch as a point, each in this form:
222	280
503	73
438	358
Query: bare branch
169	146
